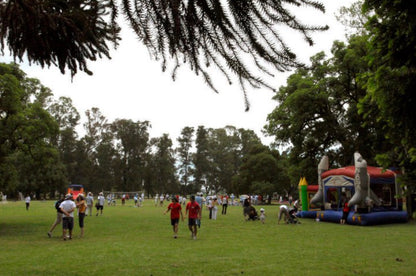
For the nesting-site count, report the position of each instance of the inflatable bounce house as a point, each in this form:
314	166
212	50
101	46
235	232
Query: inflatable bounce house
371	193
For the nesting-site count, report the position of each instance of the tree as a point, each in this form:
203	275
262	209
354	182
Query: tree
391	81
132	144
185	156
28	160
258	172
163	163
200	158
67	118
198	33
318	111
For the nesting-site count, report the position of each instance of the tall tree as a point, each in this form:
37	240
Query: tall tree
318	111
184	155
391	82
163	175
198	33
67	118
200	158
132	144
259	173
28	159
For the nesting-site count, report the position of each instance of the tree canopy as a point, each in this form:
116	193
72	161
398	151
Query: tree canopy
230	36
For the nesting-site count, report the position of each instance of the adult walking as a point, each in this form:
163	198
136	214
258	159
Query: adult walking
224	205
27	202
67	207
100	203
214	208
59	213
200	201
90	203
192	210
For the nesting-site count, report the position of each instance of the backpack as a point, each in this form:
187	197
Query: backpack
57	204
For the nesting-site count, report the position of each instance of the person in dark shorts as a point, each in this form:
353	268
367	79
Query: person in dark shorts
67	207
100	203
345	212
82	208
175	214
192	210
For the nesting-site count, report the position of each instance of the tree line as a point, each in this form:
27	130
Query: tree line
41	152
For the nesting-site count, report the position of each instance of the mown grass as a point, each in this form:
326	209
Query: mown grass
138	241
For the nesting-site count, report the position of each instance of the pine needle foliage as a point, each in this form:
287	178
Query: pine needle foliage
233	36
65	33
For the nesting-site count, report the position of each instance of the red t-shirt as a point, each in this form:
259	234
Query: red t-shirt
175	209
346	208
193	209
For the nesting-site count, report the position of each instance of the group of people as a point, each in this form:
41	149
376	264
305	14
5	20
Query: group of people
65	209
192	210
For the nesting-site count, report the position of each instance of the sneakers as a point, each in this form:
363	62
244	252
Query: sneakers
175	236
49	234
194	237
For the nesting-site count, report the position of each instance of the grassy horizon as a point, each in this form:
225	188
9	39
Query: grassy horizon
138	241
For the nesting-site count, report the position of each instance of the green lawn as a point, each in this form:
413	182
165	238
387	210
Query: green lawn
138	241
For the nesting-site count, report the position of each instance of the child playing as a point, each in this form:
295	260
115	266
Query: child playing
262	215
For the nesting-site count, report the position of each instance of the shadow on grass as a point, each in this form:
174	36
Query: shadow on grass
18	229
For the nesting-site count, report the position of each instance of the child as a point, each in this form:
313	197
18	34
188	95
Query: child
175	214
345	211
262	215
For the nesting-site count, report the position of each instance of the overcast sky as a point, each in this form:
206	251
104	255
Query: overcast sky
132	86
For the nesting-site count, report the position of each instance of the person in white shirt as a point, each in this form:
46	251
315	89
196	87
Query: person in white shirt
90	203
214	208
100	203
262	215
284	211
67	207
161	199
27	201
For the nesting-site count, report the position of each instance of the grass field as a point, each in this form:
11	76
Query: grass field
138	241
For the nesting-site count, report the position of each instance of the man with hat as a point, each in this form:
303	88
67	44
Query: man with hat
67	207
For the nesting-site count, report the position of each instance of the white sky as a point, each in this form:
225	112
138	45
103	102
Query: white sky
132	86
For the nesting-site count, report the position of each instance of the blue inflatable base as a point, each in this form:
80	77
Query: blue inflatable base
373	218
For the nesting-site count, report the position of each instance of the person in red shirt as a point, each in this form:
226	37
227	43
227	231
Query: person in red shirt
175	213
193	208
345	211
